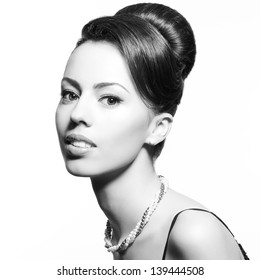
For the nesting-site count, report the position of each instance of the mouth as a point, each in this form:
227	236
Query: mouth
78	145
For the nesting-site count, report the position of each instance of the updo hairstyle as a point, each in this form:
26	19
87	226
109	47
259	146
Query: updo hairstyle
159	48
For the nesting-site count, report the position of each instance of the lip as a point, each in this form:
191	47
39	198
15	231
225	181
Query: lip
78	145
80	138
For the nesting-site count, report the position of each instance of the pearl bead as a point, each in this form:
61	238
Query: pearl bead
139	226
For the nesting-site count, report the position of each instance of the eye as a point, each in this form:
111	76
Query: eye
69	96
110	100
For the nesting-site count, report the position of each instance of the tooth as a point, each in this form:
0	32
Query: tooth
81	144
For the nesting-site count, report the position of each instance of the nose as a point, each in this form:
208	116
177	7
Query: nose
82	112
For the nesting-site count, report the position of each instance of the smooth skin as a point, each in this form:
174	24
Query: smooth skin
100	101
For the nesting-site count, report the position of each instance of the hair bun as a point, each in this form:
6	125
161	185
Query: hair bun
174	28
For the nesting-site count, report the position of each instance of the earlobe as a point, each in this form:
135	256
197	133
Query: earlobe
160	127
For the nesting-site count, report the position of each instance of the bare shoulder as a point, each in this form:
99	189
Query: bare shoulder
201	235
178	201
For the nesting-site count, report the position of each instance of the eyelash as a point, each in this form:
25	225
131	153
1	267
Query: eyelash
116	99
66	94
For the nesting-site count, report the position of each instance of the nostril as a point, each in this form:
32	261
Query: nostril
77	119
81	114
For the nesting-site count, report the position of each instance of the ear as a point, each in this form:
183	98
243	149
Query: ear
159	128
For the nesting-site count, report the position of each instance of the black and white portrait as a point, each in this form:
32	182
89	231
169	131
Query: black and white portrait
130	130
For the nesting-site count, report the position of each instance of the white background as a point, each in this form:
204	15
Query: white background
212	153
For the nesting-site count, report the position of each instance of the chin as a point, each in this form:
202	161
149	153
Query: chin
94	170
77	173
77	169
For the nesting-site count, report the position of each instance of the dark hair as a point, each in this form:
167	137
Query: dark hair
159	47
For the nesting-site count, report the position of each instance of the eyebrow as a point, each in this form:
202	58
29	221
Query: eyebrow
102	85
73	82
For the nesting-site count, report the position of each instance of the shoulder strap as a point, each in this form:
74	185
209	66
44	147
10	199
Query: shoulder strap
176	217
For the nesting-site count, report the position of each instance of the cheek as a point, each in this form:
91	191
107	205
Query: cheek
61	119
126	134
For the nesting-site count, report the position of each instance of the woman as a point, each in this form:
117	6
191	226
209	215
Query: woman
120	90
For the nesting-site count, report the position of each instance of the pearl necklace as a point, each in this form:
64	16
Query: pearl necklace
139	226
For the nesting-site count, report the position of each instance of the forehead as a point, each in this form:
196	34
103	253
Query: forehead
98	62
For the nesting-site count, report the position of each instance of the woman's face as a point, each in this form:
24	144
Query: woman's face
102	122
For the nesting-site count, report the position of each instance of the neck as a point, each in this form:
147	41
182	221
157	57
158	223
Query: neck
124	196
